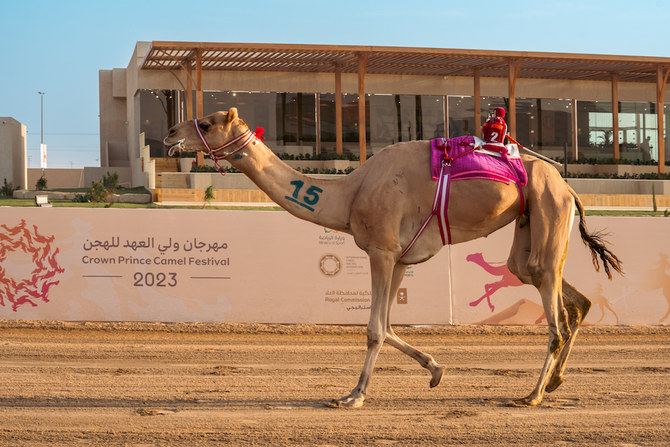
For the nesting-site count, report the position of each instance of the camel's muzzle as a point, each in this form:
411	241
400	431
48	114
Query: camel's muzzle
176	148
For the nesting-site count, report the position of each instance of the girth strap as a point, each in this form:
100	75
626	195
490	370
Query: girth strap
440	206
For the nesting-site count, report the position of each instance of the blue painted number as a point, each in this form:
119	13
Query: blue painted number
310	198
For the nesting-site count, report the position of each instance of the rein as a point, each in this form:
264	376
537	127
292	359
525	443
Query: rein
540	156
238	143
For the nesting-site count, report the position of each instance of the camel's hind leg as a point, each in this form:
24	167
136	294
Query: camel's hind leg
577	306
425	360
537	257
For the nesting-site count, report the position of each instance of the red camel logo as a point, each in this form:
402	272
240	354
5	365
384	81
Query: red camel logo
19	291
507	279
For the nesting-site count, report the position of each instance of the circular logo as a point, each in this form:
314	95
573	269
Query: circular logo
33	287
330	265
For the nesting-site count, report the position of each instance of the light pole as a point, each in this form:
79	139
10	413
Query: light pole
42	131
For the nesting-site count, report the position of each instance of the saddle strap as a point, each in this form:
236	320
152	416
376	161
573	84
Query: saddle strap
440	206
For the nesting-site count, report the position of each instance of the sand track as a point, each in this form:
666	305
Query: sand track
207	384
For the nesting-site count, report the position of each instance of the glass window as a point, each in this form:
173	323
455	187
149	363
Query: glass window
159	110
544	125
462	114
638	134
554	125
432	117
288	118
395	118
383	121
349	123
257	109
594	129
296	121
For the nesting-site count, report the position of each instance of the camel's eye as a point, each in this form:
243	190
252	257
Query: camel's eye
203	126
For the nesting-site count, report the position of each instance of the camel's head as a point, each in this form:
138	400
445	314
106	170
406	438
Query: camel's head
216	129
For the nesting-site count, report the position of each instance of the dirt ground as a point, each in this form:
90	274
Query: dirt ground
226	384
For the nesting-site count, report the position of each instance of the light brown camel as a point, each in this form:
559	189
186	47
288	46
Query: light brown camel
385	201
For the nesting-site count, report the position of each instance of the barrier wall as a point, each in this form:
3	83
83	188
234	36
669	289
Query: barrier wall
267	266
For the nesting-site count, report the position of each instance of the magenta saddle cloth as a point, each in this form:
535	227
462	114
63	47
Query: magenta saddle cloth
468	158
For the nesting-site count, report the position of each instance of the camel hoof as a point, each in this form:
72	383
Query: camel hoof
527	401
554	383
437	373
346	402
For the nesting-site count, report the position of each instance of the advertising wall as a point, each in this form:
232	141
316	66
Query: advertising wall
485	292
266	266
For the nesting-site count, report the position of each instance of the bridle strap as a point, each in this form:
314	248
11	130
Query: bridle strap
243	139
246	137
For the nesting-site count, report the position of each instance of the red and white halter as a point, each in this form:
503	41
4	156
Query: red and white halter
238	143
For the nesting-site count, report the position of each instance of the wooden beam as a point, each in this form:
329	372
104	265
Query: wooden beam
338	109
197	110
299	129
661	82
198	84
478	104
362	62
615	116
317	120
513	73
575	139
189	93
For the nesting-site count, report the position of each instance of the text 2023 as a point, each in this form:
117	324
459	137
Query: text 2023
150	279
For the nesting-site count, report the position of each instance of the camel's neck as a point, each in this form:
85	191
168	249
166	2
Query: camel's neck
324	202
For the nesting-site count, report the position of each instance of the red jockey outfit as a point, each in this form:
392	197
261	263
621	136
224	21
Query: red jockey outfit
494	131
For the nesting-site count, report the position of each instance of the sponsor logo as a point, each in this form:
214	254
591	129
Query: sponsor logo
330	265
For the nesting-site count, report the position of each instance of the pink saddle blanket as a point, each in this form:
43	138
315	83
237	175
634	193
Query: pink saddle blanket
468	159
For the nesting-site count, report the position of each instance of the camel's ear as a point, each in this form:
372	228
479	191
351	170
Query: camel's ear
232	114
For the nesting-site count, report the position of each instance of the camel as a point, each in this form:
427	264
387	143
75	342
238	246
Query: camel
383	203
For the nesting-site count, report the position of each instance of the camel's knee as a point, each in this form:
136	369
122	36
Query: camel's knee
535	272
516	269
375	338
556	342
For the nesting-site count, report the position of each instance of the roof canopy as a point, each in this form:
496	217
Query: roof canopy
401	61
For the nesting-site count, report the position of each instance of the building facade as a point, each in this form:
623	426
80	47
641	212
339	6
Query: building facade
308	99
13	153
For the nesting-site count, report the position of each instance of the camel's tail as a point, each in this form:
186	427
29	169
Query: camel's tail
596	243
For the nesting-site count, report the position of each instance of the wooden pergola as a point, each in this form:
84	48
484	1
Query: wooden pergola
194	57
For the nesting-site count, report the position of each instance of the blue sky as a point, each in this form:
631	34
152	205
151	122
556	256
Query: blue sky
58	46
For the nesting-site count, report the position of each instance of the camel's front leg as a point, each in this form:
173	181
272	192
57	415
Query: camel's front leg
381	268
425	360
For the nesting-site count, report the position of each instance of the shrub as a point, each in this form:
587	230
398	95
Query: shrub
110	182
80	198
209	195
98	192
41	184
8	189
